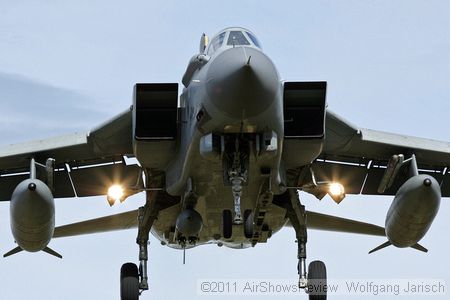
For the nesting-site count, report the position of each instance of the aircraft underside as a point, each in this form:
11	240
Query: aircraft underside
212	196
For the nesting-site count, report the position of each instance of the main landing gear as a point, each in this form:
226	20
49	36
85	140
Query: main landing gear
134	281
313	280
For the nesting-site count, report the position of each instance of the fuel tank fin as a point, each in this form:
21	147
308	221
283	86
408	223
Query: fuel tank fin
382	246
13	251
416	246
52	252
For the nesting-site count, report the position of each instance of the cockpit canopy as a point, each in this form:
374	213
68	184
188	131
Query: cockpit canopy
232	37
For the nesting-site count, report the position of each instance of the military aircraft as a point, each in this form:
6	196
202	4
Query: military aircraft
222	164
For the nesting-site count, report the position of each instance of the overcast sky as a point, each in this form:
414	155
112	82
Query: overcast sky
68	65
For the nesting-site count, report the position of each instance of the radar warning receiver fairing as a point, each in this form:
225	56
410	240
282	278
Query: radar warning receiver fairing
223	163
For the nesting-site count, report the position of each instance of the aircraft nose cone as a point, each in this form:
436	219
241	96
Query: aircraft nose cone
242	82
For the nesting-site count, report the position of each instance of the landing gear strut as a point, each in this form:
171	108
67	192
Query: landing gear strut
301	266
236	170
143	258
313	279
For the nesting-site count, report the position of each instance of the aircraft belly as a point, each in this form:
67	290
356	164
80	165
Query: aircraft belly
214	197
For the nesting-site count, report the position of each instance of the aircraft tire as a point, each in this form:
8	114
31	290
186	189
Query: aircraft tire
129	282
248	223
317	280
227	224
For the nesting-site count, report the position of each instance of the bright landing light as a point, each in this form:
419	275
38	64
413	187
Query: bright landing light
115	193
336	191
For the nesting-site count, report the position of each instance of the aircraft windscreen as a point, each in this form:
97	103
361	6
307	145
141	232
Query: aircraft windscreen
216	43
233	38
254	39
237	38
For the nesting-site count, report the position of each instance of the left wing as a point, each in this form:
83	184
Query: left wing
358	157
86	163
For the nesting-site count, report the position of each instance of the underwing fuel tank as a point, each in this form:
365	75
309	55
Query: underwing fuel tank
32	211
413	210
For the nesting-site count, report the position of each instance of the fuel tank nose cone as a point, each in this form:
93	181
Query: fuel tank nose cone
32	186
427	182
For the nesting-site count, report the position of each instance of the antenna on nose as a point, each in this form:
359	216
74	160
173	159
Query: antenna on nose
248	61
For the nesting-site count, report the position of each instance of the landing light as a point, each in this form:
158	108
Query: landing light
336	192
115	193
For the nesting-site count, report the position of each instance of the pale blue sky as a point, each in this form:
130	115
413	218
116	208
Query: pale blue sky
69	65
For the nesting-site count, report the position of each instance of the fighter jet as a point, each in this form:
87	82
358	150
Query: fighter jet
223	163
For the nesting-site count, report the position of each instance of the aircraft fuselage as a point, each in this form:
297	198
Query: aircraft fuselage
235	97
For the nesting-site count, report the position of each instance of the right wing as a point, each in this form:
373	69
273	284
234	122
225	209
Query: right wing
86	163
